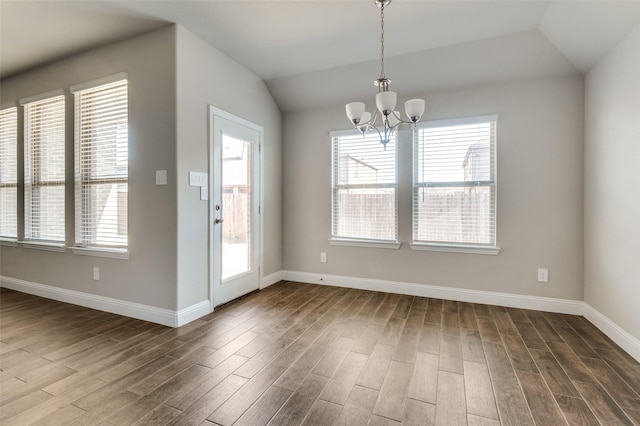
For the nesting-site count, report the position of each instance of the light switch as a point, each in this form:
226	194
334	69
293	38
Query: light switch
197	179
161	177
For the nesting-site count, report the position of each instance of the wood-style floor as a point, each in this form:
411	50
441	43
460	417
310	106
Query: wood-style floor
305	354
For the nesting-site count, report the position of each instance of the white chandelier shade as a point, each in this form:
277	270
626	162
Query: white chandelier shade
386	102
414	109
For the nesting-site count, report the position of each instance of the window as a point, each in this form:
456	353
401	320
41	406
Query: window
44	170
9	173
101	166
454	190
364	188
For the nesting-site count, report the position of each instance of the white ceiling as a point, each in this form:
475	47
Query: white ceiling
317	45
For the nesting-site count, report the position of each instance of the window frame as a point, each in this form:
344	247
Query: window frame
82	169
452	246
29	241
338	240
12	144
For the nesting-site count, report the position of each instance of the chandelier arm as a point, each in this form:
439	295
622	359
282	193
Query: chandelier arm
400	120
402	123
371	122
367	127
374	118
392	131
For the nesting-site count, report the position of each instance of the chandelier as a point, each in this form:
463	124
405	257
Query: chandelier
385	101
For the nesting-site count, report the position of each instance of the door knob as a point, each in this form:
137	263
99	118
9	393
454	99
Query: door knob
218	220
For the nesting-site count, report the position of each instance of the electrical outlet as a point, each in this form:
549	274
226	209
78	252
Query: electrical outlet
543	275
96	273
323	257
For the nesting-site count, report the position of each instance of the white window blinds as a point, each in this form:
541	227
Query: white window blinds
102	166
9	173
454	191
364	188
44	170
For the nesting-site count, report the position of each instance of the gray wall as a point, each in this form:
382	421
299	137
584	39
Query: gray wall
206	76
540	195
612	196
149	275
173	77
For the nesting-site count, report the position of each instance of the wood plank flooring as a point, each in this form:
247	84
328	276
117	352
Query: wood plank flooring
314	355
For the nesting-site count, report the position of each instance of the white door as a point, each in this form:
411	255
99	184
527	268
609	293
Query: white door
234	206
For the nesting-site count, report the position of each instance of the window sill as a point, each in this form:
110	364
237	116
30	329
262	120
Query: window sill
7	242
42	245
365	243
101	252
493	251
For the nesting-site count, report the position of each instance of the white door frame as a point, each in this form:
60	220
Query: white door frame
216	112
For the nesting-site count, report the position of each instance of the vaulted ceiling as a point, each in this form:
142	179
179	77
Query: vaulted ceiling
313	53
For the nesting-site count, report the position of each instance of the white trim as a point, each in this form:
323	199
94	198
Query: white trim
355	132
101	252
271	279
8	242
234	118
429	124
176	319
547	304
344	132
565	306
214	113
99	82
42	245
494	251
492	183
616	333
365	243
41	96
191	313
107	304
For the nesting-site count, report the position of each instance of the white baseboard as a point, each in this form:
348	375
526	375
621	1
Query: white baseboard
121	307
616	333
460	294
271	279
178	318
574	307
193	312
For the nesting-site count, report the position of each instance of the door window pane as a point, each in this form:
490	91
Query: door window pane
236	203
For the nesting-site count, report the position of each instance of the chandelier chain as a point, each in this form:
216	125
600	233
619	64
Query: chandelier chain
382	76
